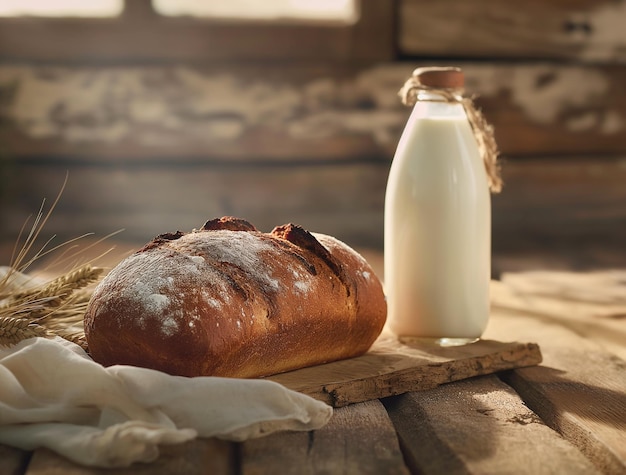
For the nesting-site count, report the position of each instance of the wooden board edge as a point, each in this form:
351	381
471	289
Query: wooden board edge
392	384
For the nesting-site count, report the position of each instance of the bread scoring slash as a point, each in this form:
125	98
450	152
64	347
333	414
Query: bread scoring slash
229	300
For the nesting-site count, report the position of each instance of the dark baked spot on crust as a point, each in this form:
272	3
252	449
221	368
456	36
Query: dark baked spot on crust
299	236
250	290
226	270
290	249
229	223
162	239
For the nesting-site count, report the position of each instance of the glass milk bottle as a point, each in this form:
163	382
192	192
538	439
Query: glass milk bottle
438	219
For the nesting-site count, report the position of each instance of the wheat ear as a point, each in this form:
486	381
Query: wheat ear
13	330
55	292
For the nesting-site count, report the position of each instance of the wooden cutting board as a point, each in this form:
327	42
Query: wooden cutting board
391	367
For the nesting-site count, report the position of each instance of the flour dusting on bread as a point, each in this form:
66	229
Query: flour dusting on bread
229	300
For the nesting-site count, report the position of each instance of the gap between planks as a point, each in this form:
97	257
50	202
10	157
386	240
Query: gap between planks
580	388
479	426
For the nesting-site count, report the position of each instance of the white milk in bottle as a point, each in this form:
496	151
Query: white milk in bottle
438	220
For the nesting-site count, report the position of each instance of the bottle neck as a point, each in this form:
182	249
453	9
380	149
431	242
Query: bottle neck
439	108
446	95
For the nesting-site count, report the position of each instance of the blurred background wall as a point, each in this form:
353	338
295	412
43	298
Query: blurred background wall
165	114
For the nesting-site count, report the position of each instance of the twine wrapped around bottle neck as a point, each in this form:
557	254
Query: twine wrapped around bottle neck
483	131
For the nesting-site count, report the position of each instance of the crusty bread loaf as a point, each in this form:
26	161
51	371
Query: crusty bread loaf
228	300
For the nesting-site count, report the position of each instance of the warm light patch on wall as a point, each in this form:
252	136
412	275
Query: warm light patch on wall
61	8
308	10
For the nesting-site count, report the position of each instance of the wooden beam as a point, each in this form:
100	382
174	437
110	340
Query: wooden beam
547	203
552	203
286	112
582	30
146	201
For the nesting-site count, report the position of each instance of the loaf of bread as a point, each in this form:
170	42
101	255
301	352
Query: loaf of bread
228	300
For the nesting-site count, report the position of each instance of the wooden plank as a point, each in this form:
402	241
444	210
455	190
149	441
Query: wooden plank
137	35
592	304
390	368
282	112
582	256
605	288
584	30
199	456
589	416
479	426
546	204
549	203
579	390
13	461
344	200
358	439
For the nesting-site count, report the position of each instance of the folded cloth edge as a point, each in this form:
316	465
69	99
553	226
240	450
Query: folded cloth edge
128	441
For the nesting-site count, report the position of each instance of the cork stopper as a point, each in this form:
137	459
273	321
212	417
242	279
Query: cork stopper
440	77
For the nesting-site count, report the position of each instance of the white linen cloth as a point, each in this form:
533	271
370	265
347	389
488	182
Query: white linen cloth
53	395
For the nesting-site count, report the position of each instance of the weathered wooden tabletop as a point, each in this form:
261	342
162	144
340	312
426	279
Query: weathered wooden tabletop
566	415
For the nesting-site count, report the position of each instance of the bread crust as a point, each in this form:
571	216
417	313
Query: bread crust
228	300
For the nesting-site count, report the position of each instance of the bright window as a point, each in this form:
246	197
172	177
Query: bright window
344	11
61	8
334	10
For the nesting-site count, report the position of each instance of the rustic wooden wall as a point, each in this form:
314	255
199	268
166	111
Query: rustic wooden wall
299	123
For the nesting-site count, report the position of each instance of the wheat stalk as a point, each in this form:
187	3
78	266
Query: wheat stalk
77	338
13	330
61	287
55	308
58	291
